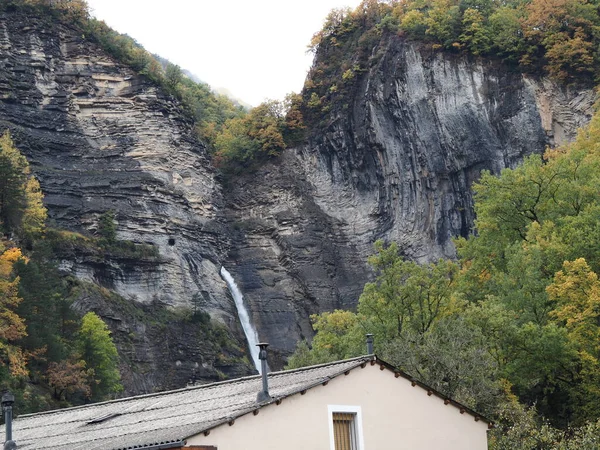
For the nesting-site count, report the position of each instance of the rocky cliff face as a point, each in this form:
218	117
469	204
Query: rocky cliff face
396	163
102	138
99	138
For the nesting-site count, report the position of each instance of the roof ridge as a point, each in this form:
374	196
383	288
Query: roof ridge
332	363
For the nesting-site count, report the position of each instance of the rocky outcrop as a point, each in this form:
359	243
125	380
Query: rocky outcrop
396	163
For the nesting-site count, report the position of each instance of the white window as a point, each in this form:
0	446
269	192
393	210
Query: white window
345	428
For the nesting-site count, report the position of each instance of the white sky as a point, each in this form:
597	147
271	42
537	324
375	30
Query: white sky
254	48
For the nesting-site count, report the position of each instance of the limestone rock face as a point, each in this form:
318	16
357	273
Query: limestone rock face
396	163
102	138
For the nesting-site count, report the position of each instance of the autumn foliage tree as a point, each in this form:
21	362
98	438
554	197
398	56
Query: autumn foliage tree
13	361
255	137
70	377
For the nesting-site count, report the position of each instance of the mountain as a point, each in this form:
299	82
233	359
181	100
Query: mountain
394	161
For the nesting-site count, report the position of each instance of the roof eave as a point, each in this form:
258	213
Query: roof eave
361	361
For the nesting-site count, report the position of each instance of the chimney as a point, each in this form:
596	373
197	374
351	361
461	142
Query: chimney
369	344
263	396
7	403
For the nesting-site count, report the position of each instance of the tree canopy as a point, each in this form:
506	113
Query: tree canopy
513	327
100	354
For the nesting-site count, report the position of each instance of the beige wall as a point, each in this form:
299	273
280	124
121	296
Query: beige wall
395	415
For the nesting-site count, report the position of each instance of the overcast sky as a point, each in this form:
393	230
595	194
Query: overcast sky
254	48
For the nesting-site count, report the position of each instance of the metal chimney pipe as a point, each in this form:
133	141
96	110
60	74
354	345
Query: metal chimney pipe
8	400
263	396
369	344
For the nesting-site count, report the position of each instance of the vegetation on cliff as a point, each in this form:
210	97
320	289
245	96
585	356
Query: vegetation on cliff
559	38
237	138
45	347
517	317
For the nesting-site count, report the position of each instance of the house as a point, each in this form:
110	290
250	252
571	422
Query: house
355	404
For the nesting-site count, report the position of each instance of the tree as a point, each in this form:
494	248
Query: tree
452	357
405	295
265	124
21	208
12	327
46	310
576	290
173	76
475	34
107	227
506	32
69	377
35	214
100	355
14	172
443	22
567	30
255	137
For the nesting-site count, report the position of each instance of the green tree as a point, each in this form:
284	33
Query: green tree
14	172
475	34
173	76
21	208
35	213
506	32
452	357
443	22
414	22
100	354
406	295
107	227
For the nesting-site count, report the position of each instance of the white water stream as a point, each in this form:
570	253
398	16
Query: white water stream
249	330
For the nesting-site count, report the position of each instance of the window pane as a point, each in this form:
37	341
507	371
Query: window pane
344	431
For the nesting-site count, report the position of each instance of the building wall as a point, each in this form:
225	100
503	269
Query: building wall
395	415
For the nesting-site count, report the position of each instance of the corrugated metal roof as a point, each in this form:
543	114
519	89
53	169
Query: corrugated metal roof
167	417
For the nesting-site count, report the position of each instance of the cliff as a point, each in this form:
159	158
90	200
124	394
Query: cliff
395	162
101	137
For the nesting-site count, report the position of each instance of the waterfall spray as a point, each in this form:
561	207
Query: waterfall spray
249	330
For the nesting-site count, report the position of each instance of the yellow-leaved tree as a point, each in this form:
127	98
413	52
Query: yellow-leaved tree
13	361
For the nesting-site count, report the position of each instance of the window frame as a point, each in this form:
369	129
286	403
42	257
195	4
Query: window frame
331	409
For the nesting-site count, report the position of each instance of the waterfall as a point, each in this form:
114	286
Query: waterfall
249	330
